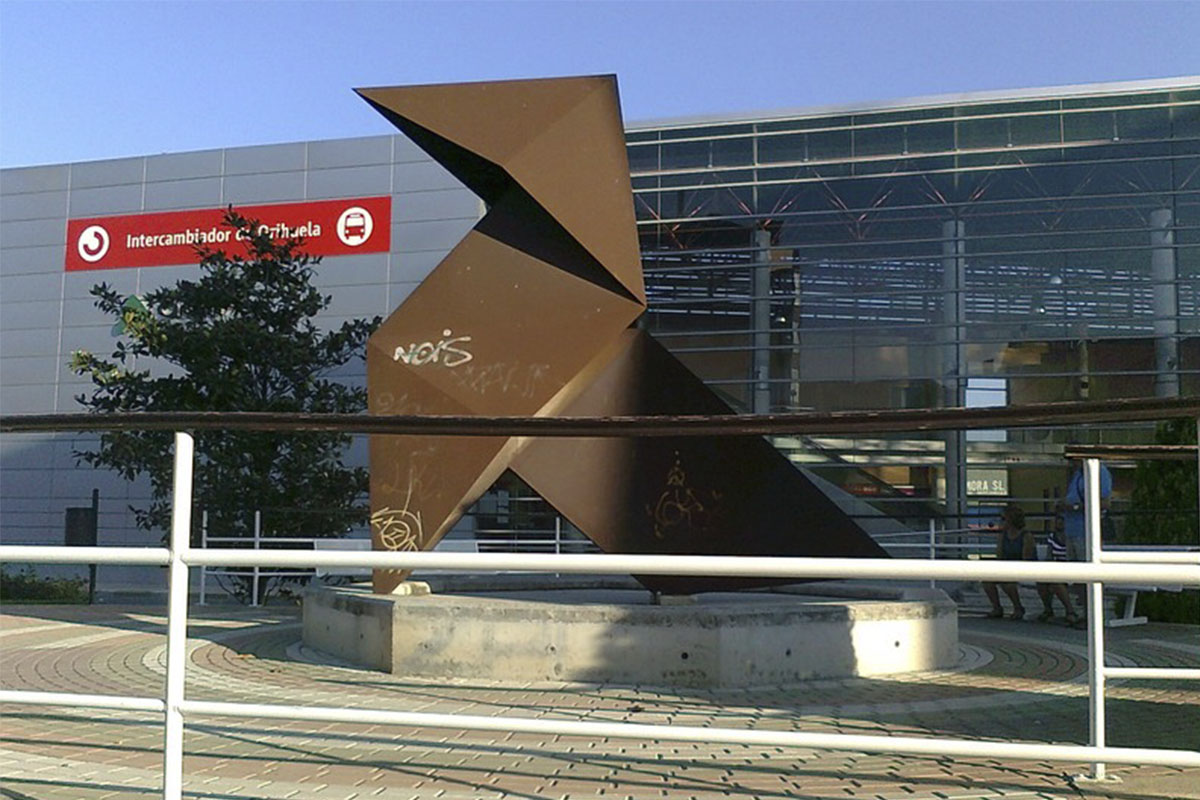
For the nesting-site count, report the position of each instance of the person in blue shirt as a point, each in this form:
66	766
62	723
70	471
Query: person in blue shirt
1075	523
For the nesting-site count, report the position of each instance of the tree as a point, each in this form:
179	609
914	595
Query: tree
1163	502
1163	510
240	338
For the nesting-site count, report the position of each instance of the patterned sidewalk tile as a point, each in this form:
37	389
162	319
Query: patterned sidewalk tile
1024	682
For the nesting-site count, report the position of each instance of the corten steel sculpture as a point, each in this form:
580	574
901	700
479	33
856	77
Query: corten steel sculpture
530	315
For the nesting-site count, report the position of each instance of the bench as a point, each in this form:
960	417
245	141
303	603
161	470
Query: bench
1130	593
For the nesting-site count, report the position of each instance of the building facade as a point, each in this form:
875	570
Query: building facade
980	250
972	250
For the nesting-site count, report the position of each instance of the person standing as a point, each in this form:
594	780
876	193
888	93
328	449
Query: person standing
1075	518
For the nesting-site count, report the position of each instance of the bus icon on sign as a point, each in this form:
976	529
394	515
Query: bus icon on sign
354	226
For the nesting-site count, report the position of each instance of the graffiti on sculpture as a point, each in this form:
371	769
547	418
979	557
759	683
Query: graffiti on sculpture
680	511
397	529
448	351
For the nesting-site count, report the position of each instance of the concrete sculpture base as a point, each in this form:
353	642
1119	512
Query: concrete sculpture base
517	628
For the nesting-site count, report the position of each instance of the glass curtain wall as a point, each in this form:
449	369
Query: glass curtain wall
976	253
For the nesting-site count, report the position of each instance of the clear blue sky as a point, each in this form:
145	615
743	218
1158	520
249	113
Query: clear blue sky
90	80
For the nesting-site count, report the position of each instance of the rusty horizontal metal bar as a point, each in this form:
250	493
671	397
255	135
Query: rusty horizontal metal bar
847	422
1133	452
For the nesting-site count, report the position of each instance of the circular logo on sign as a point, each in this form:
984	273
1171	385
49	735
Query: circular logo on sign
354	226
93	243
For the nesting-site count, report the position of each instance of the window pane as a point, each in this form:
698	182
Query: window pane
1144	123
879	141
979	133
828	145
1086	127
1042	129
789	147
932	138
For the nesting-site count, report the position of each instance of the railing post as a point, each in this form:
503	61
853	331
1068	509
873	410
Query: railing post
177	600
1095	613
257	535
204	546
932	547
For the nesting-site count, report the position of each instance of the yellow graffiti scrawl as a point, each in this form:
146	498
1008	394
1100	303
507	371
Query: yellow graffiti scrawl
678	509
398	529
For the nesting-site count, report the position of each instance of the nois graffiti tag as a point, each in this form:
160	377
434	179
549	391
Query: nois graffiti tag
446	351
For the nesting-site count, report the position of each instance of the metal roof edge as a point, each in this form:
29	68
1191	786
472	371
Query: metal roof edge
962	98
957	98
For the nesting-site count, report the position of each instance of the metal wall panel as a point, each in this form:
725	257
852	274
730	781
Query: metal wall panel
65	401
372	150
422	176
103	201
369	268
30	369
398	291
437	204
24	398
276	187
35	179
81	310
405	152
265	158
180	166
145	280
29	342
23	287
34	205
96	338
356	301
79	284
439	235
189	193
32	260
115	172
31	233
371	181
40	314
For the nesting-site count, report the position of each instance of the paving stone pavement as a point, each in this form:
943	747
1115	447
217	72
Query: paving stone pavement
1022	681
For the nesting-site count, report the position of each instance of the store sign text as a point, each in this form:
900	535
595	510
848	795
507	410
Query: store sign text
328	227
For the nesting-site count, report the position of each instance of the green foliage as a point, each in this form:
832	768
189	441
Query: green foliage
1181	607
240	338
1163	510
1163	507
27	586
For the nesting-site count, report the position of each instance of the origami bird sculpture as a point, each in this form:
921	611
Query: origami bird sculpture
531	314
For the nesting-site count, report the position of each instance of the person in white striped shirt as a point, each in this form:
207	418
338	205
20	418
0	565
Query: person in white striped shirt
1056	550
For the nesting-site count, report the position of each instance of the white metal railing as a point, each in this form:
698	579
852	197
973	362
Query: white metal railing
1100	568
255	540
536	540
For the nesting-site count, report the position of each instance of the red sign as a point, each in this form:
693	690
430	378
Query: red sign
329	228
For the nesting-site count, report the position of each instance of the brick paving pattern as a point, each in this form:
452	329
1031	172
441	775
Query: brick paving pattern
1016	680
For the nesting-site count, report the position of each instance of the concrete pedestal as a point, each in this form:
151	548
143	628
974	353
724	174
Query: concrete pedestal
512	630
